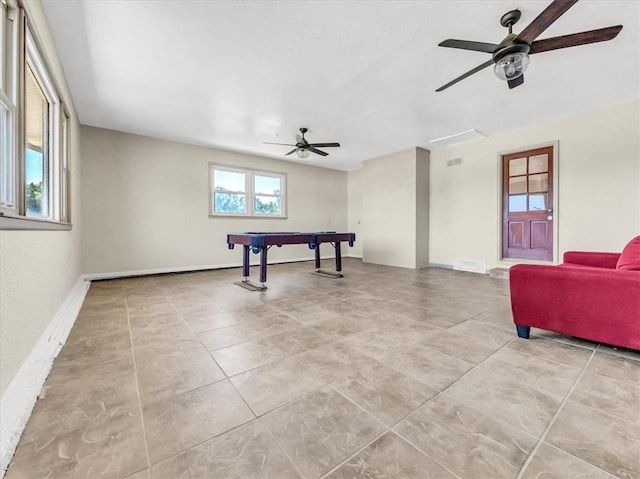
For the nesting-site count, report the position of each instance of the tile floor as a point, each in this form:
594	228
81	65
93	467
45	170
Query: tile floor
386	372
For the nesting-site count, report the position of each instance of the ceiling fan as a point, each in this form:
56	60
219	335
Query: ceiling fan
511	56
303	147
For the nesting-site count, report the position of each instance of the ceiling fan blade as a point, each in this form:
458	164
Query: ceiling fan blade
544	20
311	148
284	144
468	45
325	145
292	151
515	82
469	73
575	39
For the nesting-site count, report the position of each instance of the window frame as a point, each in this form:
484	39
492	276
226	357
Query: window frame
249	193
23	52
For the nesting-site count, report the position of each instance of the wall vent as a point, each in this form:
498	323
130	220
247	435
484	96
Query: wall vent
471	265
454	162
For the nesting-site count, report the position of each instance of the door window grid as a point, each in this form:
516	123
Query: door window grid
528	183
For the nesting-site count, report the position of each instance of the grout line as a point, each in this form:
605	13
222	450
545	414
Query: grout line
555	416
135	368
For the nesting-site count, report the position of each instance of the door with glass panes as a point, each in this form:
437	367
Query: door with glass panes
527	204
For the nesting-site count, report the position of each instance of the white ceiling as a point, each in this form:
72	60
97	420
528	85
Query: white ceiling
233	74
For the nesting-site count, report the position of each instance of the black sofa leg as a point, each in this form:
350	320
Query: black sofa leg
523	331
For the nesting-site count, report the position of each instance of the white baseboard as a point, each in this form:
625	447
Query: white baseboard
18	400
185	269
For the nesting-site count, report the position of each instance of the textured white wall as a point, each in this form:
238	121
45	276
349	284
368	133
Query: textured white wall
599	186
146	204
38	268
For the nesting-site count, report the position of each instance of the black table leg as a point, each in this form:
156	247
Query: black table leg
338	257
317	252
263	265
245	261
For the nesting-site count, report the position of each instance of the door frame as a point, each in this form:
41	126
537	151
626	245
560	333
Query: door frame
556	197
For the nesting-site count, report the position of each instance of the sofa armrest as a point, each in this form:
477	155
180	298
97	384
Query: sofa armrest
589	258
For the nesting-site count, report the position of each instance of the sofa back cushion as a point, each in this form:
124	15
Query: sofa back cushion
630	257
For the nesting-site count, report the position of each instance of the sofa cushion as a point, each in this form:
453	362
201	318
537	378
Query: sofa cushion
630	257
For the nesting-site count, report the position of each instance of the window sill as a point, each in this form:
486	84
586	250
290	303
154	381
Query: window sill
11	222
249	217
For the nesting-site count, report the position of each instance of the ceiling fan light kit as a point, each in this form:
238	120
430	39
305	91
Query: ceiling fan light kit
511	56
511	66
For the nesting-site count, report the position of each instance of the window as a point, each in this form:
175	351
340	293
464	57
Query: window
236	192
8	101
34	132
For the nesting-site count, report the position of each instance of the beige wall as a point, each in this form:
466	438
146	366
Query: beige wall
599	186
422	207
355	210
392	186
38	268
146	204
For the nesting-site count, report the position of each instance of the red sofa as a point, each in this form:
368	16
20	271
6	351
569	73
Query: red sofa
594	296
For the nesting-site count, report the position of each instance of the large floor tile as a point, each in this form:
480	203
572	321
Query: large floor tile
333	361
466	441
106	449
108	390
433	368
387	457
467	348
167	377
385	393
180	347
552	377
521	405
273	385
609	395
250	355
300	339
228	336
550	462
564	353
484	332
608	442
615	366
321	430
199	324
180	422
95	350
246	452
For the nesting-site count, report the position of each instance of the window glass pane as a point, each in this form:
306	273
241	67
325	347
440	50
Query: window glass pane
3	47
537	202
517	203
267	205
36	154
518	167
518	185
267	185
229	203
539	182
538	164
229	181
7	177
